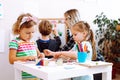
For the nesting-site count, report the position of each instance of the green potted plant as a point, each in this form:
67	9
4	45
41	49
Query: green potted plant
108	39
107	35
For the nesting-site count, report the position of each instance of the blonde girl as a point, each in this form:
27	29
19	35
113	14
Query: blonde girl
22	48
83	35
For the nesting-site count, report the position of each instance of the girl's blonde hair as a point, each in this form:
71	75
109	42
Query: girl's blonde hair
82	26
23	21
45	27
73	17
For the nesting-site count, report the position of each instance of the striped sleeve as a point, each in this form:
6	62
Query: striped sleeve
13	44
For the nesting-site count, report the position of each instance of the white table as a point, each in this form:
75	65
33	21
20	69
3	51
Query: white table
61	72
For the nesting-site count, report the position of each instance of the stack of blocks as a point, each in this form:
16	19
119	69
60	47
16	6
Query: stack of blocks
42	62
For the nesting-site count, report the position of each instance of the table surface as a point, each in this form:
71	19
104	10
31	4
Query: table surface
67	70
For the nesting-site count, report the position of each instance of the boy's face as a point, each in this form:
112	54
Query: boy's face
27	33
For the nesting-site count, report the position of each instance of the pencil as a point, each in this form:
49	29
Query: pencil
85	48
77	47
80	47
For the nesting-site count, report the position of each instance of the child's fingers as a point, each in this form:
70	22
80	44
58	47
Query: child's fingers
56	56
45	51
31	58
41	55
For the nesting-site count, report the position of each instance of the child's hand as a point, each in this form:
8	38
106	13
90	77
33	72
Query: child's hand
41	55
31	58
57	55
47	52
55	32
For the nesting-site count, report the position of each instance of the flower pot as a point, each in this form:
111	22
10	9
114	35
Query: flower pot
118	27
113	73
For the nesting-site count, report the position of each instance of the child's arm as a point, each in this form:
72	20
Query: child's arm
40	55
70	54
13	58
55	31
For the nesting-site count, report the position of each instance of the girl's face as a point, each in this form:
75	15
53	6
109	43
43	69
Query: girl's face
78	36
67	22
27	33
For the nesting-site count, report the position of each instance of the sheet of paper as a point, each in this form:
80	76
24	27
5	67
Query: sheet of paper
95	64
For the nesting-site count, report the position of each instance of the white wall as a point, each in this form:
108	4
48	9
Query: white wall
11	10
45	9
